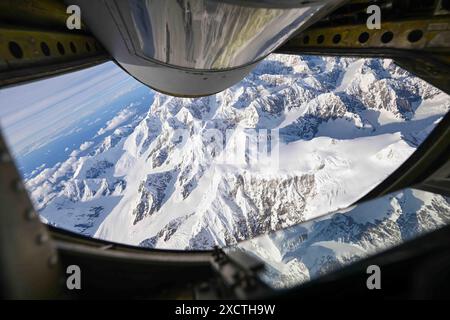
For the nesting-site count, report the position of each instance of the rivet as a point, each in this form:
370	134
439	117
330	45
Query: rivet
20	186
204	286
42	238
53	260
5	157
17	185
30	214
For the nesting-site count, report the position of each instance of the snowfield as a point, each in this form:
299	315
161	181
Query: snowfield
149	175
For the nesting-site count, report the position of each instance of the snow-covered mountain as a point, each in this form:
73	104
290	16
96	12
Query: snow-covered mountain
309	250
152	176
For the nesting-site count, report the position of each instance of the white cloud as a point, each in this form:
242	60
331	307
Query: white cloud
122	116
85	145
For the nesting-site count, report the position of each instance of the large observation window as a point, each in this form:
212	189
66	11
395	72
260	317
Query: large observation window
301	136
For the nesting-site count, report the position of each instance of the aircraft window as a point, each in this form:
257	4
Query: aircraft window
315	248
301	136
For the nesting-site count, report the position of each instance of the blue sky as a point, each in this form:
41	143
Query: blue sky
34	114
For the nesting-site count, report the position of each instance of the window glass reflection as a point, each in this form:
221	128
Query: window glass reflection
304	252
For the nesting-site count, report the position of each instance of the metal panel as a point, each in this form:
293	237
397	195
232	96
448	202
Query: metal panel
29	262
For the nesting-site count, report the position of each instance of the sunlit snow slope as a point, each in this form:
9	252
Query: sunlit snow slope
344	125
